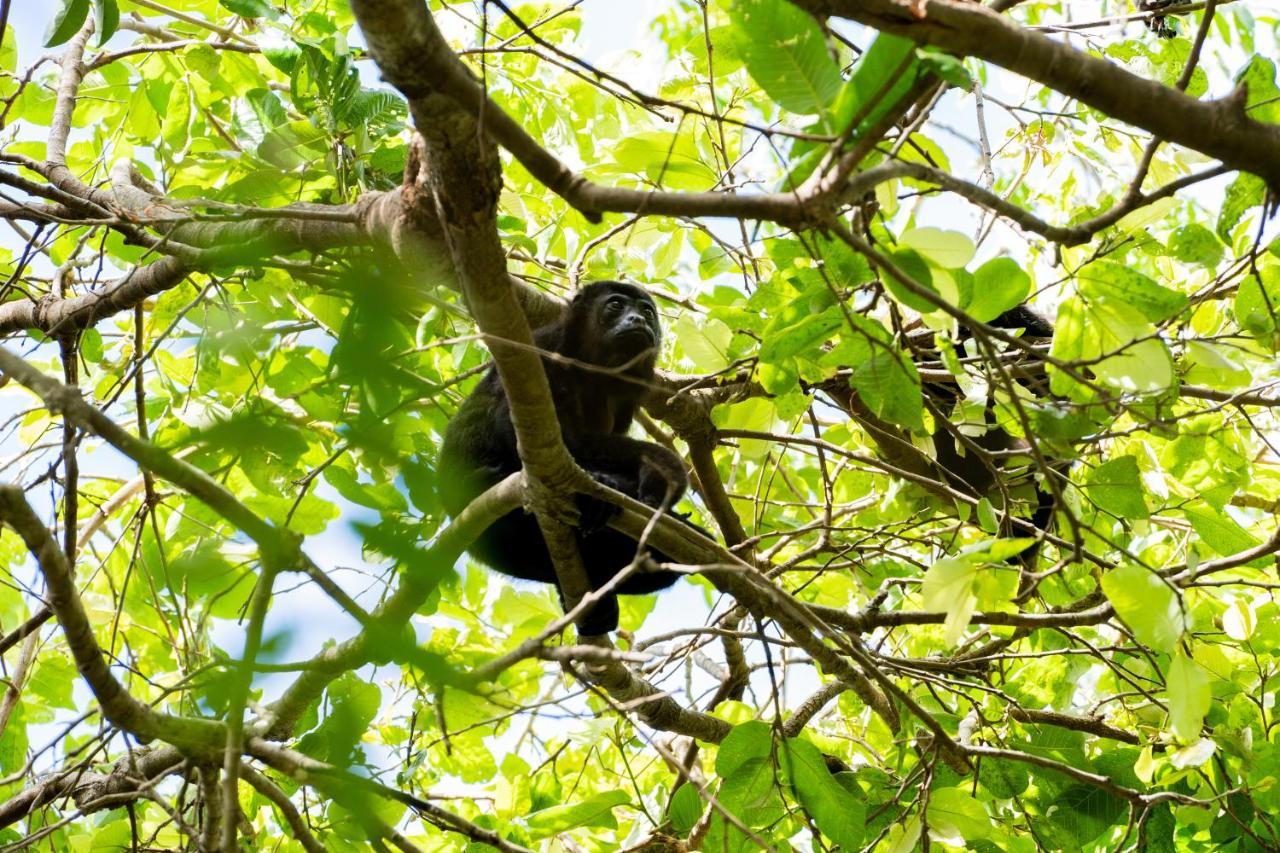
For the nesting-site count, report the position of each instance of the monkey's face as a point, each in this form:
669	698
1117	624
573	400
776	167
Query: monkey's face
627	324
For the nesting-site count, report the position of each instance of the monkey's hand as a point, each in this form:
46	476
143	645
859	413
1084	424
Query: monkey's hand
595	514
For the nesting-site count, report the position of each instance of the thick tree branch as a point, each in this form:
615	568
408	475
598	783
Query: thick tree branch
1219	128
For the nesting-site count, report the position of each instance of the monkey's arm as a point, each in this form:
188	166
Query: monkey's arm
479	448
649	472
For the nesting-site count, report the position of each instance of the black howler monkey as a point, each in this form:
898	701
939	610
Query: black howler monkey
609	338
969	474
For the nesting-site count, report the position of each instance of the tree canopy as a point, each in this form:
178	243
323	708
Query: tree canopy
256	254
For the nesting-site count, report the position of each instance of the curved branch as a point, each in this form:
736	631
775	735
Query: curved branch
1219	128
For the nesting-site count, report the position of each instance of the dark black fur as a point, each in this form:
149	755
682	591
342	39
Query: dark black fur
963	470
611	325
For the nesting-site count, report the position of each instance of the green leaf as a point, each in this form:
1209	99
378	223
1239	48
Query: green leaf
1118	338
1080	812
987	518
106	19
838	814
1188	695
1109	280
884	377
1116	486
911	264
745	764
1218	530
293	145
747	744
66	22
1004	779
596	810
1195	244
784	51
944	66
686	807
948	588
955	813
998	285
801	336
1147	604
352	705
945	249
704	343
869	95
115	835
8	49
1245	192
669	159
249	8
1258	80
52	680
91	345
1257	306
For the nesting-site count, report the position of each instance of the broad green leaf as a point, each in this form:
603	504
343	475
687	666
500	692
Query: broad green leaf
1188	696
1194	754
52	679
91	345
836	811
868	95
884	377
749	776
987	517
948	588
1257	306
998	285
106	19
669	159
1004	779
66	22
705	344
596	810
955	814
945	249
902	837
1245	192
1116	486
785	53
1195	244
1144	367
1079	811
686	808
1258	80
747	744
1108	280
1147	604
113	835
1239	620
1215	365
293	145
801	336
911	264
8	50
249	8
946	67
380	496
1218	530
1118	338
175	122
